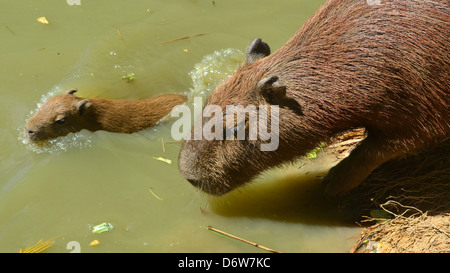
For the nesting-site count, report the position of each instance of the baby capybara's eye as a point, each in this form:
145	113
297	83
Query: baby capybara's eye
60	121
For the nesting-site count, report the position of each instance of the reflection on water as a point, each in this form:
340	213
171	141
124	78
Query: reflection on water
292	193
292	198
66	186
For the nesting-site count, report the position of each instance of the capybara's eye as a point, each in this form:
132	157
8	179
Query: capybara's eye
235	131
60	121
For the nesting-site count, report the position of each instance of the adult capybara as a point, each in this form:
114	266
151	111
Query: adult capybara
67	113
384	67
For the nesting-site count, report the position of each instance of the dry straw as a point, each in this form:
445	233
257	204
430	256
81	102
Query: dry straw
415	192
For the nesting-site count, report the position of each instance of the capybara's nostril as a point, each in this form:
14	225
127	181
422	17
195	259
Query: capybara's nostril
194	182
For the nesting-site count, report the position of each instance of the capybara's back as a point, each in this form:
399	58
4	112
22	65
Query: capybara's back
382	65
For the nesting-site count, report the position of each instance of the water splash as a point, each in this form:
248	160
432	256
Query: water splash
206	75
79	140
213	69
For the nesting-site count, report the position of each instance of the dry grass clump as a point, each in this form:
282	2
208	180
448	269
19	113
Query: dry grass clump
412	195
416	233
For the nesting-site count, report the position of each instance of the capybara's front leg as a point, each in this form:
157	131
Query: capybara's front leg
351	171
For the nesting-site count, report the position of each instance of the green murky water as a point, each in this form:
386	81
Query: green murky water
71	184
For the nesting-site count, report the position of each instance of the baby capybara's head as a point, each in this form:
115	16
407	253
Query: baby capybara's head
58	116
218	165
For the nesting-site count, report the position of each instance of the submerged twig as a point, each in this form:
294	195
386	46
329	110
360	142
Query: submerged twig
118	32
240	239
183	38
39	246
163	146
10	30
175	142
150	189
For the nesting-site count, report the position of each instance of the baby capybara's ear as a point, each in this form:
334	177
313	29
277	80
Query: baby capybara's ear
257	50
271	89
71	91
82	106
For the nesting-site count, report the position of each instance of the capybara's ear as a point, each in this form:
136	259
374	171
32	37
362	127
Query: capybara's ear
83	105
257	50
271	89
71	91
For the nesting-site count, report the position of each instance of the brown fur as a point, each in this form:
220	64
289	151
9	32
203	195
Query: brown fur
67	113
383	67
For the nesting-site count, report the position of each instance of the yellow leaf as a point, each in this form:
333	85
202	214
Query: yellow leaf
168	161
95	243
42	20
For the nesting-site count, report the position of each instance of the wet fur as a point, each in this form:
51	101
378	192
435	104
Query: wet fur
121	116
382	67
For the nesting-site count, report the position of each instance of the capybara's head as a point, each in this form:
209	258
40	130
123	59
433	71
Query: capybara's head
57	117
216	165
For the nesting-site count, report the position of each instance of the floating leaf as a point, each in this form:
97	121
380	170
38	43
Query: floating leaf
102	228
95	243
42	20
129	78
168	161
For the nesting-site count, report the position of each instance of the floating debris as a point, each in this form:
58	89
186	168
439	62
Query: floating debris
150	189
163	145
183	38
95	243
102	228
10	30
118	32
43	20
129	78
38	247
240	239
168	161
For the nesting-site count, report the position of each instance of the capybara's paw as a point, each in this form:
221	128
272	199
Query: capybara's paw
340	180
333	184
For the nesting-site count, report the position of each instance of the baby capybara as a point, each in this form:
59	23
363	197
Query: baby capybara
384	67
67	113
